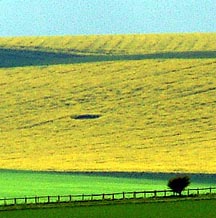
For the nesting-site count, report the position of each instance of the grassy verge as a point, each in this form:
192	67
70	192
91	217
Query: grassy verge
154	209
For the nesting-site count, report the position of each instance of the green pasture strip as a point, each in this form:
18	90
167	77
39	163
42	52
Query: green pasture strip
23	183
174	209
27	183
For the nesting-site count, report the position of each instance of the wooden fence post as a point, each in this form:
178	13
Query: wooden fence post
188	192
59	199
210	189
48	199
70	198
15	201
36	200
26	200
197	191
123	195
113	196
144	194
83	197
134	195
164	193
155	193
103	196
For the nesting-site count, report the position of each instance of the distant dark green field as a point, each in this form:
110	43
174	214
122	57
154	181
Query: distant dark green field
21	58
179	209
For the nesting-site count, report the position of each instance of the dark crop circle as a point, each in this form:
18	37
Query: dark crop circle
85	116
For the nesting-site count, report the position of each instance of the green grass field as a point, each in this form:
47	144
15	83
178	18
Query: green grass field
23	183
186	209
155	95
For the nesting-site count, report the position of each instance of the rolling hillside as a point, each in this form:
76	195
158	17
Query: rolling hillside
115	44
109	103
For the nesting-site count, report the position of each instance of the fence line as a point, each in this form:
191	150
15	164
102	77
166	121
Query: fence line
104	196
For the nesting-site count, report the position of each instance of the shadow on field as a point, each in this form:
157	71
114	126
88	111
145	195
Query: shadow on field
196	177
204	178
21	58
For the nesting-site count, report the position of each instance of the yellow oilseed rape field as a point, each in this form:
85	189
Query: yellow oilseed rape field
115	44
116	109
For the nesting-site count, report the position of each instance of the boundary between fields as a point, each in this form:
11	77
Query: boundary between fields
109	198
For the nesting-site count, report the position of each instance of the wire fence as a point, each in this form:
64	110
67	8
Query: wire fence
102	197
